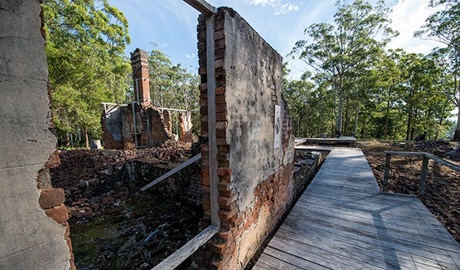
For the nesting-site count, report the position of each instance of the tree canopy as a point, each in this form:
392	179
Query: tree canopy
86	41
356	86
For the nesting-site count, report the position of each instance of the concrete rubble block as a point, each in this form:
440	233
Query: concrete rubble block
29	239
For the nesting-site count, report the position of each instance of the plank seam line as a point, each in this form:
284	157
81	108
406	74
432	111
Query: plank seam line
296	257
348	258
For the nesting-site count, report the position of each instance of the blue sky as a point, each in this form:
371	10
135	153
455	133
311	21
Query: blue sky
171	24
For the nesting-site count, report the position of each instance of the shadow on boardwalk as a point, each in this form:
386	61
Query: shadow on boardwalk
343	222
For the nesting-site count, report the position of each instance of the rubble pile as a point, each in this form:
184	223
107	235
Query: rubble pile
113	224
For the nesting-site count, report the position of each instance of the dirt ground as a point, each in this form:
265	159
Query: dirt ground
113	224
442	195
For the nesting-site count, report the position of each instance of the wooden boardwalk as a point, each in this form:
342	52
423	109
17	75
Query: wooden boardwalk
343	222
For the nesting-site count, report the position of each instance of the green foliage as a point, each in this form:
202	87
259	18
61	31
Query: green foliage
86	40
444	27
340	53
172	86
358	88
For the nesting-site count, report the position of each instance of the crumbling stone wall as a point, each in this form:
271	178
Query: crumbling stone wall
31	238
256	184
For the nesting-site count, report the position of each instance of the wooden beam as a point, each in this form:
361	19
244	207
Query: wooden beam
403	153
202	6
188	249
386	174
171	172
212	141
441	161
422	184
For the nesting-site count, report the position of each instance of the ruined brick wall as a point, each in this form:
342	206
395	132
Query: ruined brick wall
256	184
119	129
184	185
33	229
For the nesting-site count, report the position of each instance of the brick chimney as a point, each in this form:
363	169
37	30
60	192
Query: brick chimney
140	65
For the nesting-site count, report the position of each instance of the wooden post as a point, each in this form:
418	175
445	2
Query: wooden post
421	188
386	175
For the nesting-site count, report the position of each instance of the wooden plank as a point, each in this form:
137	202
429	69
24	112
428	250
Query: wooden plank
172	172
202	6
317	255
379	228
441	161
342	222
386	174
369	252
348	252
188	249
404	153
274	259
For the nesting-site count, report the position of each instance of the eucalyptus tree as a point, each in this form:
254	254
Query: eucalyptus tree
444	26
173	86
335	51
86	40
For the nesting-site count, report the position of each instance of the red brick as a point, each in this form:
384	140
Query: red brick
224	186
221	141
205	147
220	44
59	214
219	248
221	125
205	179
225	178
224	171
51	197
221	108
227	215
219	35
53	160
225	201
221	117
221	133
220	99
220	90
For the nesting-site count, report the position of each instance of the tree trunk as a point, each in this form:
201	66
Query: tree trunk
409	120
86	140
339	114
457	128
356	123
387	116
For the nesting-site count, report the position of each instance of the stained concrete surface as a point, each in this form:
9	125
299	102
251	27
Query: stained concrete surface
28	238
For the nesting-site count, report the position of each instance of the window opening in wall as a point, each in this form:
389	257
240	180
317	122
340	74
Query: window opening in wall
113	223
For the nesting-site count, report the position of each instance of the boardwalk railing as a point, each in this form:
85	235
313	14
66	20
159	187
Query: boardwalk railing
438	187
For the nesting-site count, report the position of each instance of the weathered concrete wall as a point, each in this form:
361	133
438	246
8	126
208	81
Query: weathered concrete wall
29	238
256	183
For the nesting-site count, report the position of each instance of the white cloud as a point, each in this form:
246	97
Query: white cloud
286	8
276	4
264	2
407	17
190	56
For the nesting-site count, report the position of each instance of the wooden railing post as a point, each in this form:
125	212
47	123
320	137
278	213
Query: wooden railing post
386	175
422	185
